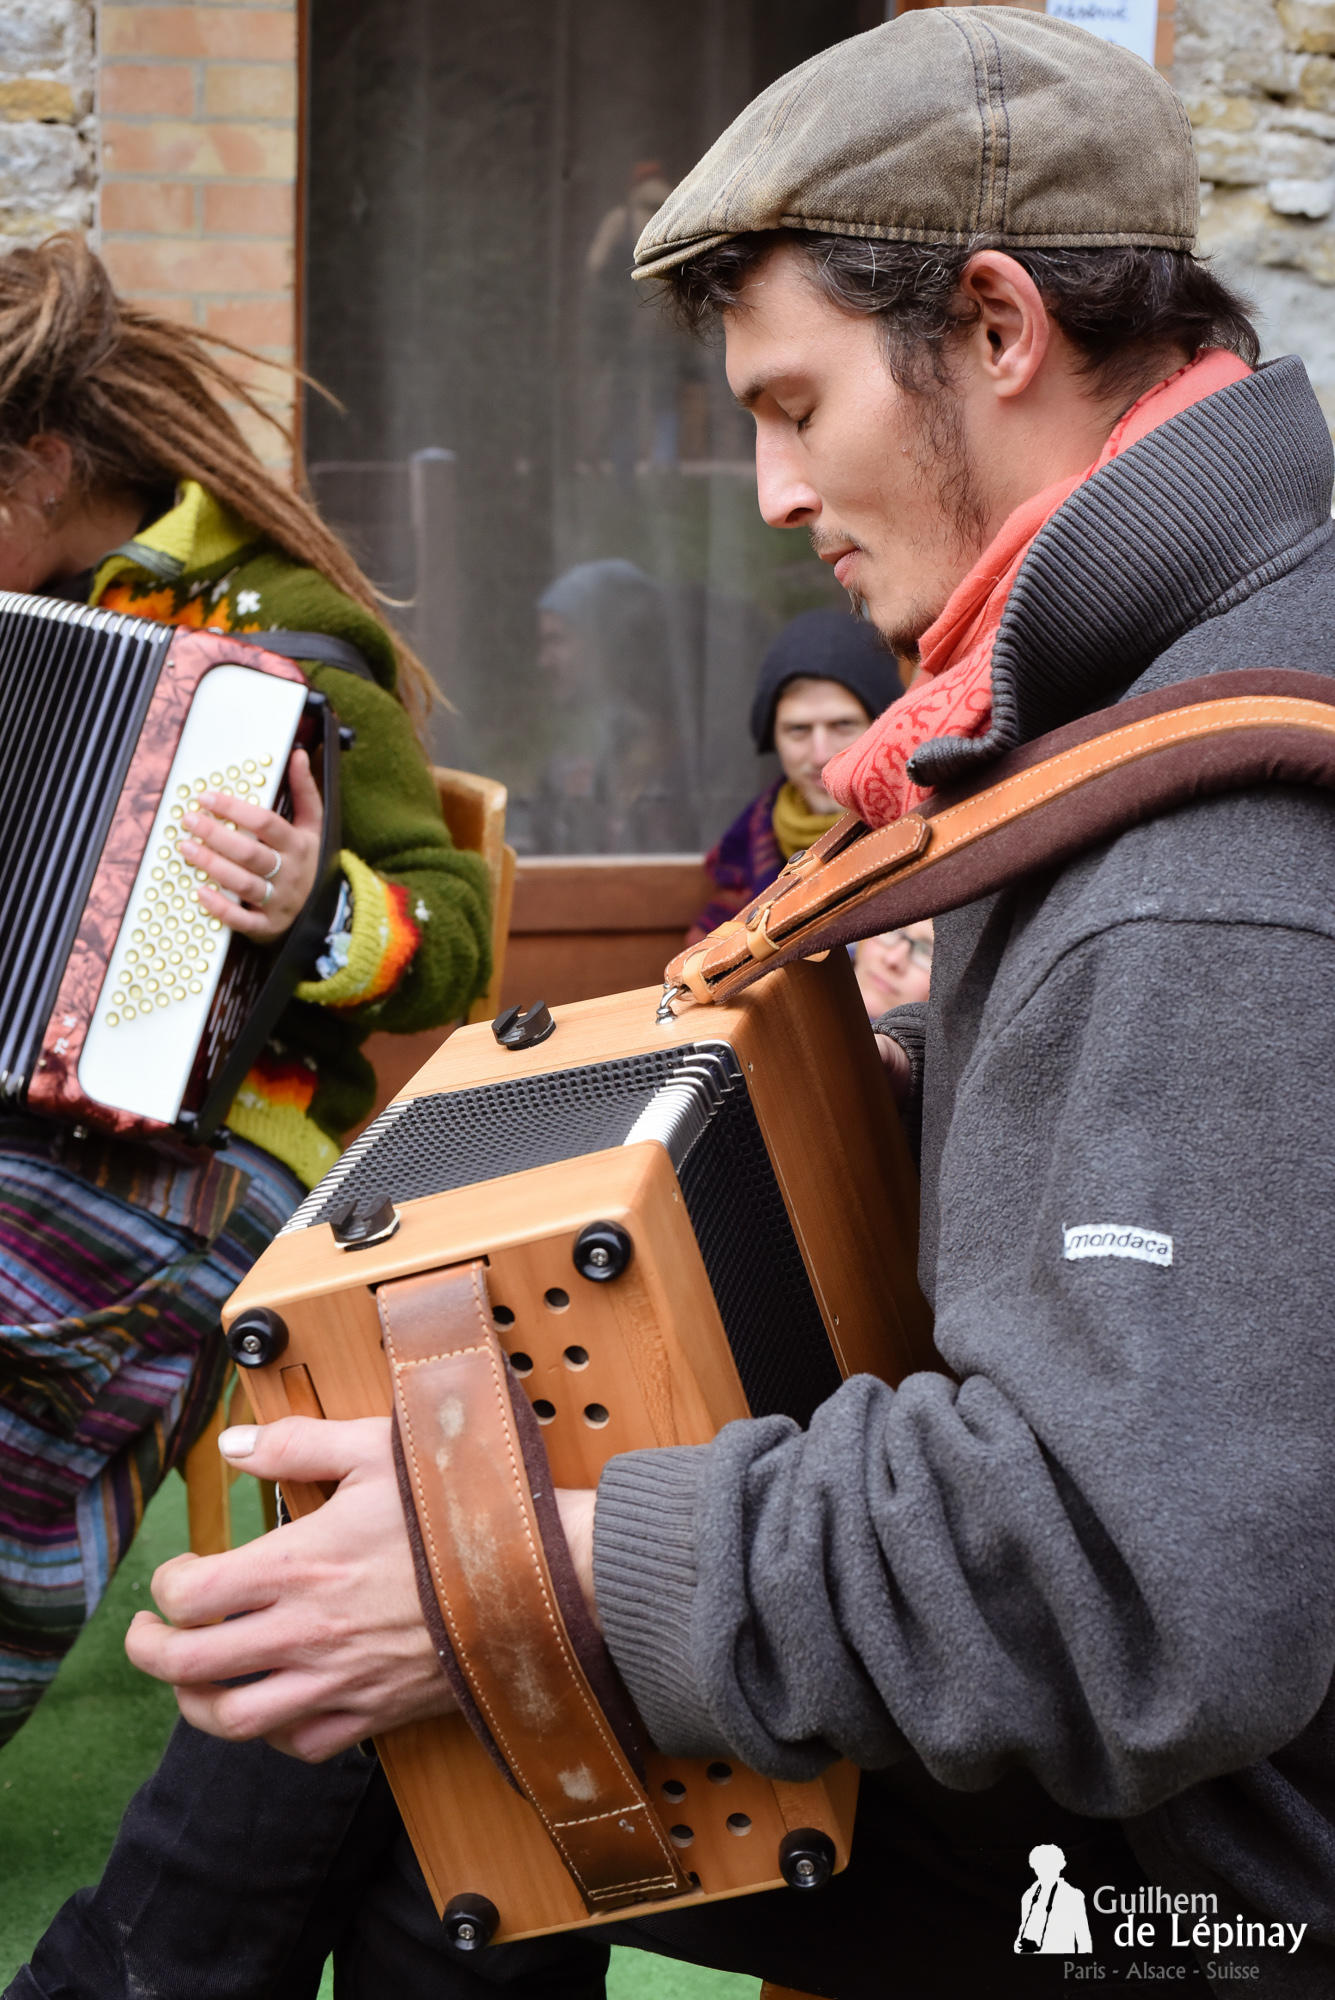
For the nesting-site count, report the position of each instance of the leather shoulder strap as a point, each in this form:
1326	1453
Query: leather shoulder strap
490	1553
322	646
1044	804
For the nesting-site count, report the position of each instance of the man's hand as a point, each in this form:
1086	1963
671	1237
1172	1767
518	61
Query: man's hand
326	1607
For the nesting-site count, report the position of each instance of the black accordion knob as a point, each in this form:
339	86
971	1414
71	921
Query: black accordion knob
806	1858
256	1338
602	1251
470	1922
523	1027
355	1225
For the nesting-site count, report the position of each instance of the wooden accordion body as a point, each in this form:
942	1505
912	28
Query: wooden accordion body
753	1156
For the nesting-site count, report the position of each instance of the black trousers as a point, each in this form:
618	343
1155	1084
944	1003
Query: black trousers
238	1871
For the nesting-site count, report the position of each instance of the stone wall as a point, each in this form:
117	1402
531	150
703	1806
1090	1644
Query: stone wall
48	144
1258	77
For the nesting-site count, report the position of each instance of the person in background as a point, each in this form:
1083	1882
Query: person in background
894	969
822	681
611	780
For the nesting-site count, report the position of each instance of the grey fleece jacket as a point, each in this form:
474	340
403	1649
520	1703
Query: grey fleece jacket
1106	1553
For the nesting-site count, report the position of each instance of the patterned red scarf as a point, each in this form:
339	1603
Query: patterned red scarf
954	694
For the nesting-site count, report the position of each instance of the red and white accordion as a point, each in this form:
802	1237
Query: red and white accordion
124	1005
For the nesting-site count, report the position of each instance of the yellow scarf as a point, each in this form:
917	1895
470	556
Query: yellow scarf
795	825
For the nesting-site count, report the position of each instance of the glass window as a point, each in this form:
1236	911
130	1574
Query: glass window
549	476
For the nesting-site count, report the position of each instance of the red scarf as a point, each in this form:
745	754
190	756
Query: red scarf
953	696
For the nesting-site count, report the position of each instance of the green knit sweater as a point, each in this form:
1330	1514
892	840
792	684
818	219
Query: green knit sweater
418	948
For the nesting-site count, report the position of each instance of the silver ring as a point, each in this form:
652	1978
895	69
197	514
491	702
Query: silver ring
268	892
272	875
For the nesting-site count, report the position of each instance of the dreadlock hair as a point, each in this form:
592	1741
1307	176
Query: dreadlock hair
1122	308
139	401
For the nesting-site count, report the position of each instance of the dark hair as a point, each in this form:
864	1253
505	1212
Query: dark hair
1120	307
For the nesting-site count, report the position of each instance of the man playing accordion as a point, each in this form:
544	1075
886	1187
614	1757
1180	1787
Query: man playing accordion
1082	1589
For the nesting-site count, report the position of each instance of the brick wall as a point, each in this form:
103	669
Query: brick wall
48	155
198	110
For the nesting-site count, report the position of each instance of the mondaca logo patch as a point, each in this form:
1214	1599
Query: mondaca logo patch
1117	1239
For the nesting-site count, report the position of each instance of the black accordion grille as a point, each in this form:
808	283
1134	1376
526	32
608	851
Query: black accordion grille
74	689
755	1267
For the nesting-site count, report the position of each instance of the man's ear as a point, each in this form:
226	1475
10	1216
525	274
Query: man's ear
1010	338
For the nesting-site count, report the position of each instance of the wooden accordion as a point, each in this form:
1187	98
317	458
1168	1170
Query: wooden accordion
123	1004
664	1224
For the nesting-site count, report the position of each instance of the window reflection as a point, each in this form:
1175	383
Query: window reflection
547	474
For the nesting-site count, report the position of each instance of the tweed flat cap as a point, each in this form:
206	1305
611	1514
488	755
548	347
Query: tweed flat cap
948	124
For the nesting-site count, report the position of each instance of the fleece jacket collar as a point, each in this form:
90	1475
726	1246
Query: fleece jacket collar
1214	504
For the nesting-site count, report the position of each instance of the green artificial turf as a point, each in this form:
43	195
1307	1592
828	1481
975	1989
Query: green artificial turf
66	1777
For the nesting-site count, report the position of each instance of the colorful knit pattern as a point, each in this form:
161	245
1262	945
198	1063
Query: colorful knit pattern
381	945
110	1361
272	1110
170	607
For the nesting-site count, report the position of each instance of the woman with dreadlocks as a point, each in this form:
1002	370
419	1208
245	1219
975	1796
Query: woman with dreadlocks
126	483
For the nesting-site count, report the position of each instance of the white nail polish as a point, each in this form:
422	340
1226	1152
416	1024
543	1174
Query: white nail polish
239	1442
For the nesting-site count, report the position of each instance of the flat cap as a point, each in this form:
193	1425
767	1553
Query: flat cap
948	124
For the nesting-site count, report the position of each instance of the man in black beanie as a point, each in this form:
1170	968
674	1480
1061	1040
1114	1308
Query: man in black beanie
822	681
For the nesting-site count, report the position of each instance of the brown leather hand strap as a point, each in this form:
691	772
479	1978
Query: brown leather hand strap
1042	805
483	1543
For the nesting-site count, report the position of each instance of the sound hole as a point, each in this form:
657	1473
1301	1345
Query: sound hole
502	1315
719	1774
596	1415
522	1363
682	1835
739	1823
673	1789
576	1357
543	1410
557	1300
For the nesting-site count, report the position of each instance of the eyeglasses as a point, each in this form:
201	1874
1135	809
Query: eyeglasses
919	948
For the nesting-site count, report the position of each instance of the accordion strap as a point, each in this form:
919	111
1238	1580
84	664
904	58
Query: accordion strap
487	1536
1044	804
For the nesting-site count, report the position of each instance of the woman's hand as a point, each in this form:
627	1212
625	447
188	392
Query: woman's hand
266	860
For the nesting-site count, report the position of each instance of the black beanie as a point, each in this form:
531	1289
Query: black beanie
825	646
